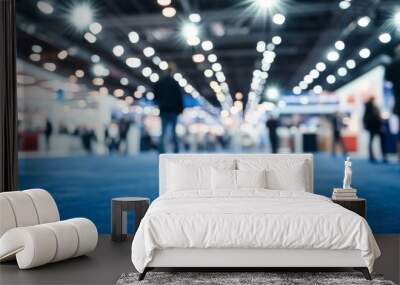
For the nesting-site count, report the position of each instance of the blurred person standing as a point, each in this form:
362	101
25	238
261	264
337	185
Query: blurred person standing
48	131
392	74
272	125
337	125
124	126
373	123
169	98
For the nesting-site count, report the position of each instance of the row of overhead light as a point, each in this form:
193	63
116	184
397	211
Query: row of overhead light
191	33
333	55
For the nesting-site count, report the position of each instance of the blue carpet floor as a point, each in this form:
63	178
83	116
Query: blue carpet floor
84	186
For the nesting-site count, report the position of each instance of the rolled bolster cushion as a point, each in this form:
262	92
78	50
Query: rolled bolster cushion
37	245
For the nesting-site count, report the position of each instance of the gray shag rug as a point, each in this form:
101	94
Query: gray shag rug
269	278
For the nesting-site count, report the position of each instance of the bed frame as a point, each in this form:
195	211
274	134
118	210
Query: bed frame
245	259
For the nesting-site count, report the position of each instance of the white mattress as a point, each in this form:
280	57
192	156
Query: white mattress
254	219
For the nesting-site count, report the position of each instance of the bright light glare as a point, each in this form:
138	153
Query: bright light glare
332	55
317	89
278	19
364	21
133	62
396	19
212	58
385	38
331	79
342	71
90	37
260	46
163	65
198	58
95	28
364	53
266	4
208	73
164	2
296	90
190	30
272	93
81	15
344	4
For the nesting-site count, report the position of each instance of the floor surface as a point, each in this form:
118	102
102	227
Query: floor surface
83	186
111	259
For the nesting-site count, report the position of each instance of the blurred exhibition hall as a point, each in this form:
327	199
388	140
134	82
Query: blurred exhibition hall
105	86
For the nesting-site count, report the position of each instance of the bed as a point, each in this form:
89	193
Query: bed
245	211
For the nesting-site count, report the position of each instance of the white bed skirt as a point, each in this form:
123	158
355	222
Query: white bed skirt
189	257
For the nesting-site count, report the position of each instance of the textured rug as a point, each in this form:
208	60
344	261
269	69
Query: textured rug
268	278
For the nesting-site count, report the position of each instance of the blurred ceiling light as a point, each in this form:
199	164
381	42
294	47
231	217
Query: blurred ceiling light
193	41
129	100
138	94
320	66
339	45
124	81
98	81
95	58
278	19
169	12
317	89
103	90
276	40
194	18
177	76
62	54
164	2
198	58
81	15
141	88
90	37
154	77
100	70
208	73
344	5
331	79
296	90
188	88
156	60
133	37
212	58
207	45
189	30
118	92
303	85
364	21
308	79
35	57
385	38
147	71
49	66
270	46
45	7
314	73
37	48
118	50
261	45
216	67
163	65
272	93
182	82
266	4
351	64
79	73
364	53
342	71
239	95
148	51
332	55
95	28
150	96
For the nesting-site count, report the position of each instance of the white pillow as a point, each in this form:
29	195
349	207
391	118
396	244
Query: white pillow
251	178
186	178
282	174
223	179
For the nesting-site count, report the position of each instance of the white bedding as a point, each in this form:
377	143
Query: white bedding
250	219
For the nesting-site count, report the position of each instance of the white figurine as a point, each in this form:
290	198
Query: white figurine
347	174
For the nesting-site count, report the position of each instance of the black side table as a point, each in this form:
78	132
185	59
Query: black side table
358	205
119	208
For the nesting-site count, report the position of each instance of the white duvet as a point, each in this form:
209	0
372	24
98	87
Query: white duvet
250	219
